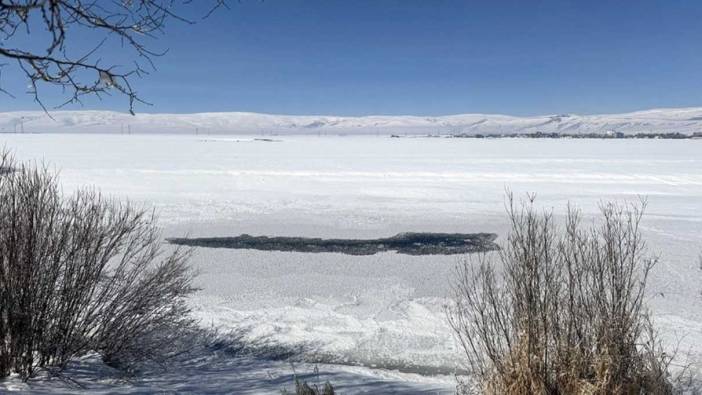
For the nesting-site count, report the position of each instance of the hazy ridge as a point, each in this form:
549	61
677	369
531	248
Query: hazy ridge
681	120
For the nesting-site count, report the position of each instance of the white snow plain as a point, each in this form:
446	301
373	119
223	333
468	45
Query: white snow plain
384	311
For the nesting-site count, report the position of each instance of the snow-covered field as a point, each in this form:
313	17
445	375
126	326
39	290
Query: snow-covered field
383	311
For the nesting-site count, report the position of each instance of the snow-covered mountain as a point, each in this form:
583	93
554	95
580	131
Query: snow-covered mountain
683	120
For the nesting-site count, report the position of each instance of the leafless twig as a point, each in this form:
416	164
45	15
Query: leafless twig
129	21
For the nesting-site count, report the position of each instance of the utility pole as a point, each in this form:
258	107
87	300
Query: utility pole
21	122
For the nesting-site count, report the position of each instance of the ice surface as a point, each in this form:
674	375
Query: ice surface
384	310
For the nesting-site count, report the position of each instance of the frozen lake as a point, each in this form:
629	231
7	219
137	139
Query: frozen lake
386	309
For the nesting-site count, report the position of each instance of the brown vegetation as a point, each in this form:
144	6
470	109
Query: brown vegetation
565	313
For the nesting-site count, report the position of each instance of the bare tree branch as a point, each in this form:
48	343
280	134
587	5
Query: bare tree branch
131	22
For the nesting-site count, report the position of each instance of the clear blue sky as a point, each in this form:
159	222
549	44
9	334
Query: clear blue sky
428	57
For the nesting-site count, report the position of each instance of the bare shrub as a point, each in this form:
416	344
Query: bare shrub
81	273
565	314
303	388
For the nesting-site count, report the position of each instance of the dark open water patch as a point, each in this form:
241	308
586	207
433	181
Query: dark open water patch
403	243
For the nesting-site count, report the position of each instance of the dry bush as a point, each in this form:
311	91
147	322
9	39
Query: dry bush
81	273
565	314
302	388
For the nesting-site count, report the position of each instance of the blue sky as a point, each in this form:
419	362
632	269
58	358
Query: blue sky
419	57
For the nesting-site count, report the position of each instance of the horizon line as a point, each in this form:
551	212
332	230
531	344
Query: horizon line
49	113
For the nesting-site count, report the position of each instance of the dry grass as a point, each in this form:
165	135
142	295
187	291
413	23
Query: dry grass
565	312
302	388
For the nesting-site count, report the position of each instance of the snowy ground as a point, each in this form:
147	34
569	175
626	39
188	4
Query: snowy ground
222	374
383	311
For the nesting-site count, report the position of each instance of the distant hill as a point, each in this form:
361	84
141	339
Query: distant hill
682	120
